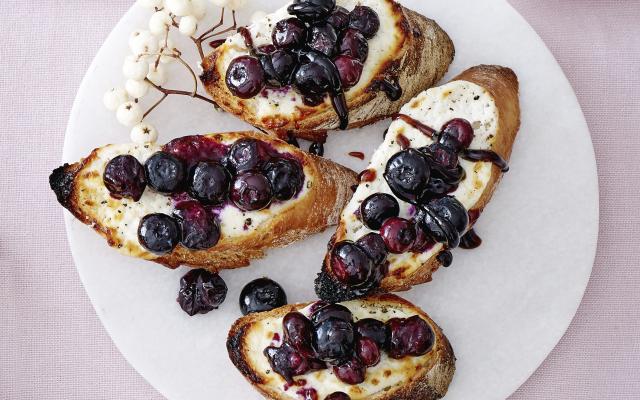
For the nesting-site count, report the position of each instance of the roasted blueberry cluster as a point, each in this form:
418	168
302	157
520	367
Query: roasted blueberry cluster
319	51
202	176
330	338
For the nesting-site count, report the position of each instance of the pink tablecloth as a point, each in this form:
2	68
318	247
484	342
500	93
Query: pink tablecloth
52	345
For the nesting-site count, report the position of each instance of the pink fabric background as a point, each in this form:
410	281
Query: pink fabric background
52	345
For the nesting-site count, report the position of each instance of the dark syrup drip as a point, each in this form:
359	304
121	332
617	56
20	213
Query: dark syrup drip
339	102
470	240
368	175
403	141
486	155
473	216
390	87
357	154
445	258
427	130
217	43
292	140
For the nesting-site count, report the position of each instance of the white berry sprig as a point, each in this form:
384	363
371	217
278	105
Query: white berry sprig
153	48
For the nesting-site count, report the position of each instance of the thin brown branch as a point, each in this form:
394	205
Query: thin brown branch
180	92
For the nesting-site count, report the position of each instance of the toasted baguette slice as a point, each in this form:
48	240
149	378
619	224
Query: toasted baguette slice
426	377
244	235
486	96
408	46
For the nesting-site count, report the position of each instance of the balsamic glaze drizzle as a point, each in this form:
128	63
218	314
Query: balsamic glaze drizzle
470	240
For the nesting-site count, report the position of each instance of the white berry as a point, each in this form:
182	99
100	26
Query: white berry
150	3
143	42
137	88
160	22
220	3
144	133
114	97
258	16
135	68
237	4
129	113
188	25
179	7
198	9
158	75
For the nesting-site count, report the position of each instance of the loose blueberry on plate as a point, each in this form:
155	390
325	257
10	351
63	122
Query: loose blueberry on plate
323	38
286	178
289	34
407	174
351	372
201	291
365	20
124	177
373	244
399	234
209	183
373	329
165	173
251	191
200	231
317	148
327	311
350	70
245	77
159	233
298	331
333	340
377	208
350	264
409	337
339	19
261	295
354	44
312	10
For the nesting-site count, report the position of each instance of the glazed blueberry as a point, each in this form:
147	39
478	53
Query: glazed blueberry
244	155
336	311
444	220
245	77
298	331
192	149
159	233
251	191
457	132
286	177
333	340
124	177
200	231
317	148
165	173
289	34
443	154
278	67
409	337
338	396
351	372
367	351
317	75
287	362
407	174
312	10
323	38
354	44
266	49
201	291
399	235
261	295
373	244
350	70
339	19
365	20
423	241
209	183
373	329
350	264
377	208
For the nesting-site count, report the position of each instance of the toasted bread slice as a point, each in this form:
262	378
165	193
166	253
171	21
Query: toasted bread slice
487	97
408	47
244	235
425	377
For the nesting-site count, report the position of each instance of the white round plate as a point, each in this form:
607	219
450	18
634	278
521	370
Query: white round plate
503	306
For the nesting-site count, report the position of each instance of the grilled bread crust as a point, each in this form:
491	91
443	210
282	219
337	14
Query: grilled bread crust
428	384
420	59
313	213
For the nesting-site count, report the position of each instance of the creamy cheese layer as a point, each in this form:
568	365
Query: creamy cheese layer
388	373
434	107
122	216
286	102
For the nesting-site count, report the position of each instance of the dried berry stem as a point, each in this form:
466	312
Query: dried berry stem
211	32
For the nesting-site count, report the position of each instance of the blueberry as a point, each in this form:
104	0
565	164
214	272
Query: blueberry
261	295
373	245
200	231
367	351
245	77
245	155
209	183
287	362
409	337
279	67
317	75
375	209
289	34
165	173
338	396
323	38
298	331
373	329
201	291
350	70
351	372
312	10
457	133
336	311
350	264
159	233
333	340
444	220
251	191
124	177
365	20
354	44
399	235
407	174
317	148
286	178
339	19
